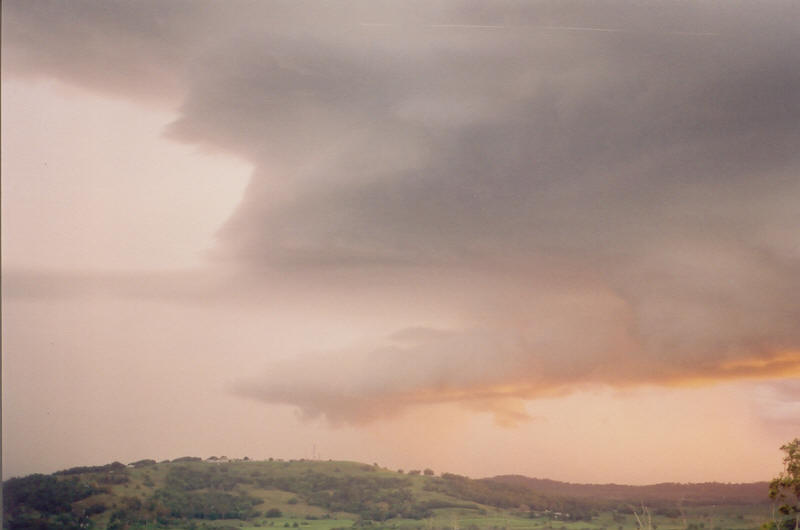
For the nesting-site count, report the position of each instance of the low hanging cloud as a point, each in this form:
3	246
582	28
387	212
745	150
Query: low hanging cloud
616	185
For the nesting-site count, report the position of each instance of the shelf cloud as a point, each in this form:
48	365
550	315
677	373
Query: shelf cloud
591	195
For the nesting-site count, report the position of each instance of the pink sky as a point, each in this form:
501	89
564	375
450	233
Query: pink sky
252	235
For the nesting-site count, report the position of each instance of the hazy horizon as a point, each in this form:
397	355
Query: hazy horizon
555	239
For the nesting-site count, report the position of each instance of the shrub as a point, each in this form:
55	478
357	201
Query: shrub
114	466
96	508
143	463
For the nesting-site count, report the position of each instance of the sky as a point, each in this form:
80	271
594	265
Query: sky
558	239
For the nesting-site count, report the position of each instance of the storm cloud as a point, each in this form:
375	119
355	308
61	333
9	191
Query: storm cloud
593	193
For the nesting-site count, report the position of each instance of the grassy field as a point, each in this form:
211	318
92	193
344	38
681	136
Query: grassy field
746	518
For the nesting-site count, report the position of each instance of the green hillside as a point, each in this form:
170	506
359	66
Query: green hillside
218	494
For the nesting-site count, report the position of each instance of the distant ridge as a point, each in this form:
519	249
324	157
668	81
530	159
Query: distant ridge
701	493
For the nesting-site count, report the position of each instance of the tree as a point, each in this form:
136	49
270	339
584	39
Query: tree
786	486
428	471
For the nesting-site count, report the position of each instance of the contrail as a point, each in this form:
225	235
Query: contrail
544	28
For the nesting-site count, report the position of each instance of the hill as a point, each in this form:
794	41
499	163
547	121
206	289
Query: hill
707	493
221	494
